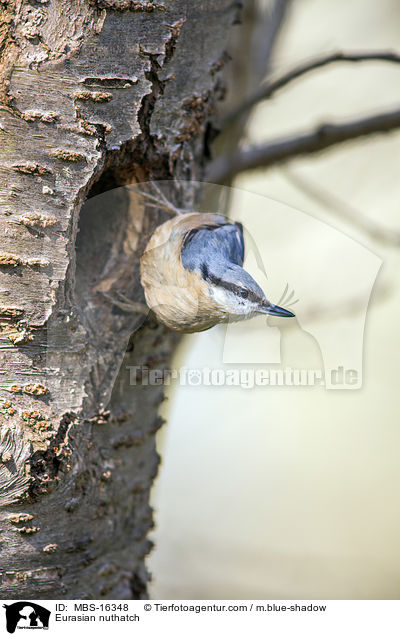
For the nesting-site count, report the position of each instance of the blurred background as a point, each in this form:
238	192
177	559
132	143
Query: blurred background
293	492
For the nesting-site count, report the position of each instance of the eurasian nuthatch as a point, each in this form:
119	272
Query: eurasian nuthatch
192	274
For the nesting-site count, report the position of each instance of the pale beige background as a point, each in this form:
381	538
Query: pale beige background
294	493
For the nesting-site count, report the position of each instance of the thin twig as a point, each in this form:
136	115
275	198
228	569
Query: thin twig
160	202
164	198
327	135
271	87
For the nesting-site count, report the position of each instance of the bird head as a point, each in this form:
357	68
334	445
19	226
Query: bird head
236	294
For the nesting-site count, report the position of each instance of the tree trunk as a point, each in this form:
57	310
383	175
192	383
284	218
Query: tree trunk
94	95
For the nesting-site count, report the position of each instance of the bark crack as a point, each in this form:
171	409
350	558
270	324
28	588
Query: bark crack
139	6
45	466
141	157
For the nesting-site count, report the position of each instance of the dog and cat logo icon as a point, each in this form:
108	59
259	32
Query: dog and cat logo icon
26	615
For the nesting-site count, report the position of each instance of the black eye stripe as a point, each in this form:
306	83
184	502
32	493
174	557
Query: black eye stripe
236	289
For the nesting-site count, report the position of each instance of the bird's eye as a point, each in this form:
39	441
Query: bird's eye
244	293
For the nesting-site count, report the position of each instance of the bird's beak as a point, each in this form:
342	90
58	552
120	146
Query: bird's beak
275	310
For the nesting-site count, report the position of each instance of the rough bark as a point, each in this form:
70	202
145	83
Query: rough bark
93	95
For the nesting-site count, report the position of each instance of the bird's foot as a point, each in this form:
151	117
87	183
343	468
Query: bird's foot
126	304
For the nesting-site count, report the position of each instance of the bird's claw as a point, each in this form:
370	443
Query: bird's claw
126	304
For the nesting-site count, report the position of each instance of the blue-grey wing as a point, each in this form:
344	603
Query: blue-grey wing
216	243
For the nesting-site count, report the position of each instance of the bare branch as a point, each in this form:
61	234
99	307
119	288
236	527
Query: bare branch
268	31
327	135
271	87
